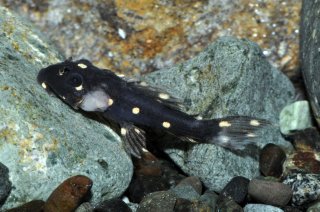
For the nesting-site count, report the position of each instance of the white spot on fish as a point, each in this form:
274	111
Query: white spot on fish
79	88
255	123
44	85
251	135
166	124
83	66
143	84
122	33
123	131
137	130
110	102
224	124
164	96
136	110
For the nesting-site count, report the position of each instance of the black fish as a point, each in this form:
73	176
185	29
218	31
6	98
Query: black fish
136	107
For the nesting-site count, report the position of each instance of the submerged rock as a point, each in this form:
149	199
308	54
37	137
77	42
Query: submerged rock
231	77
42	140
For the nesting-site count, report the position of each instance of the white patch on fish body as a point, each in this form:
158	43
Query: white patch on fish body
95	101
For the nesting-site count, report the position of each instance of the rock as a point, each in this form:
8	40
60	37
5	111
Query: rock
112	206
85	207
295	116
187	205
33	206
305	187
237	189
43	141
228	205
69	195
306	140
187	192
314	208
271	160
216	84
261	208
303	161
309	52
192	181
158	201
210	198
270	193
5	184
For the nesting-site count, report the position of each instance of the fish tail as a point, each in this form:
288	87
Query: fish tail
234	132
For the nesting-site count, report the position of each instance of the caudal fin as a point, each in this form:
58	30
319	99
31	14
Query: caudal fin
234	132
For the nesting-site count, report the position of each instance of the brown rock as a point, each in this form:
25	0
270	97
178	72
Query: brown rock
33	206
69	195
271	160
270	193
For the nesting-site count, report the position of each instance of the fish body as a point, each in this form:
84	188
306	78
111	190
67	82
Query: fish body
137	107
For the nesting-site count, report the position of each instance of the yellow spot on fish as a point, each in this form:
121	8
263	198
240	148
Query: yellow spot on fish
164	96
83	66
79	88
166	124
120	75
44	85
251	135
110	102
137	130
255	123
123	131
224	124
135	110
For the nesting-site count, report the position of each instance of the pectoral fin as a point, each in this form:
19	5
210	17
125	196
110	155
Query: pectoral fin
134	139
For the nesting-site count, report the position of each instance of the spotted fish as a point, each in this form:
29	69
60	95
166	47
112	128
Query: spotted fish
137	107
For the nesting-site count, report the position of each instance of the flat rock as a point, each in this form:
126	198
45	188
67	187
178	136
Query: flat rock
231	77
43	141
261	208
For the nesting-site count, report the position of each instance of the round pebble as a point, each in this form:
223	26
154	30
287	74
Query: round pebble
271	160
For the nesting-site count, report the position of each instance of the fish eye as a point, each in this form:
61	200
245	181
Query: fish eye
75	80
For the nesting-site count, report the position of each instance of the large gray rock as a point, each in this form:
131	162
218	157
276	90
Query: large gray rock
309	52
42	140
231	77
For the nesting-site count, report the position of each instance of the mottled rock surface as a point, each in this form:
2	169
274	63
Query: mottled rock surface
42	140
261	208
231	77
309	52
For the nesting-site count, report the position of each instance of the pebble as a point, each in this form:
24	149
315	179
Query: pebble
261	208
305	187
271	160
296	116
192	181
314	208
187	205
210	198
112	206
269	192
85	207
187	191
5	184
228	205
237	189
306	140
158	201
69	194
33	206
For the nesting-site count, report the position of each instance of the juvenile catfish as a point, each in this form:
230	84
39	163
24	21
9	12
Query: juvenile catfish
136	107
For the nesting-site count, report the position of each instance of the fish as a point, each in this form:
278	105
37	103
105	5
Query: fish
137	108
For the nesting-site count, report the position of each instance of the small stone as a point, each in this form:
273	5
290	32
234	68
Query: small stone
305	187
187	205
295	116
237	189
290	208
261	208
271	193
192	181
34	206
306	140
158	201
69	194
186	192
210	198
5	184
85	207
303	161
271	160
228	205
112	205
314	208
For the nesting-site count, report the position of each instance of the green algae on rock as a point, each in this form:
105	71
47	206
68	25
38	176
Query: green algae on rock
43	141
